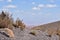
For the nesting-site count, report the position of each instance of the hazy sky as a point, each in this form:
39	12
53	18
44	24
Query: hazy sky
33	12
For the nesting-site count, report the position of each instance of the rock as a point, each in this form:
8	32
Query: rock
7	32
24	35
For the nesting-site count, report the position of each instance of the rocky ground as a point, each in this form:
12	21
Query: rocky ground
24	35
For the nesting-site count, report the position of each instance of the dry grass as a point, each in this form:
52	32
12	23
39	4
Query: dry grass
51	31
19	24
58	32
5	21
33	32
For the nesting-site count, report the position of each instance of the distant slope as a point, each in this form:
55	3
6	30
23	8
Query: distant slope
53	25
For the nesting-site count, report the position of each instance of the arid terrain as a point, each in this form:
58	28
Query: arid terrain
10	30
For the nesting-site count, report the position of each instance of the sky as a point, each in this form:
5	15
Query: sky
32	12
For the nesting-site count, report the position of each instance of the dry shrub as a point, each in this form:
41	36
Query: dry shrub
19	24
58	32
51	31
33	32
5	21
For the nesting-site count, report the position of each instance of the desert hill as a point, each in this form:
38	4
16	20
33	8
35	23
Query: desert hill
10	30
50	28
48	25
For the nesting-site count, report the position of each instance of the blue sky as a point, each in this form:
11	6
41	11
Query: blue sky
33	12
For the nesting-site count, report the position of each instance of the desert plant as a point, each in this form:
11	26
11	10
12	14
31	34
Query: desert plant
33	32
19	24
5	21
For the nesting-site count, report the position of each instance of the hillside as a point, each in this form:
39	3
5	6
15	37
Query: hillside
48	25
50	28
10	30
